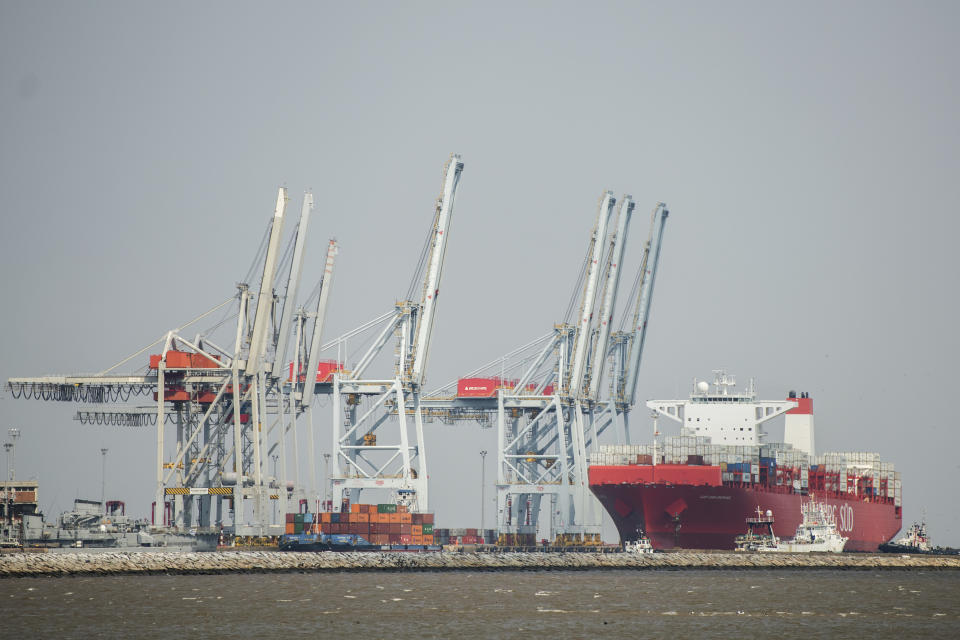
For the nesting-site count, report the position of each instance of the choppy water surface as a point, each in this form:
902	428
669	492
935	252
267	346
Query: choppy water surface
787	603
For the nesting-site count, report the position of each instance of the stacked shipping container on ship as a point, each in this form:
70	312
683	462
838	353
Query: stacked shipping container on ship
695	491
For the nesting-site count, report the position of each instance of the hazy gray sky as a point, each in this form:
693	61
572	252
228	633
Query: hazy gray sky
808	154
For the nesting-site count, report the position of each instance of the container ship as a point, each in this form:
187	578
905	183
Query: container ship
694	490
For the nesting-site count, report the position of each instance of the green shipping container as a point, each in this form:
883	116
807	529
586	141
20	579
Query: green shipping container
386	508
298	518
298	527
428	529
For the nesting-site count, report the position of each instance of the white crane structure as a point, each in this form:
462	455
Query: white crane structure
230	409
221	413
568	390
378	423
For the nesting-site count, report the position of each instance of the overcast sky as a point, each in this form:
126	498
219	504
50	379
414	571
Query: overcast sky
808	154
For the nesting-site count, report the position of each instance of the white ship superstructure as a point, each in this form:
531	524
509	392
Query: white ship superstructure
720	413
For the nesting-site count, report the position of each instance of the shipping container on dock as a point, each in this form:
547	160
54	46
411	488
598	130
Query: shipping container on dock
360	527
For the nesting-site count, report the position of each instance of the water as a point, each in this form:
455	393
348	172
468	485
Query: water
617	604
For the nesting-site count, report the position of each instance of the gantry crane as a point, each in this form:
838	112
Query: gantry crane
225	404
373	446
552	413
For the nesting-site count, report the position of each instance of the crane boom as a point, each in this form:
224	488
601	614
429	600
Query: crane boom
258	341
587	303
313	356
642	313
617	250
431	286
293	286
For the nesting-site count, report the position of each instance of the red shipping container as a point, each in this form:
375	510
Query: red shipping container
406	529
290	517
395	528
406	539
471	532
426	518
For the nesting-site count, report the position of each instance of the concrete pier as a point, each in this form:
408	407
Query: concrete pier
107	563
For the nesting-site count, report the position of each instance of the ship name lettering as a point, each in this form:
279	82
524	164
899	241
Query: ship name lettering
843	517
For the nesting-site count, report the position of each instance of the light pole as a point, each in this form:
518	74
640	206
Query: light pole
275	457
11	447
14	434
103	480
8	446
483	485
326	478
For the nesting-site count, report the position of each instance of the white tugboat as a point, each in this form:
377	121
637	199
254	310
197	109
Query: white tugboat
817	532
641	545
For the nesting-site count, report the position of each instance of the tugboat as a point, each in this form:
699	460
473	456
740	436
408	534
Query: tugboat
641	545
759	535
915	540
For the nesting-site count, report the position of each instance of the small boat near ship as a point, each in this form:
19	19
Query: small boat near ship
817	532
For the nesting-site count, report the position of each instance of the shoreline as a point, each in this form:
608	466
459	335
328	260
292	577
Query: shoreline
199	563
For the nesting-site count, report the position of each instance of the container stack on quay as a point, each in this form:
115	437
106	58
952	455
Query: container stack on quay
377	524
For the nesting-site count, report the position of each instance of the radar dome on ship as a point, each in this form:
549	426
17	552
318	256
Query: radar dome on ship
703	386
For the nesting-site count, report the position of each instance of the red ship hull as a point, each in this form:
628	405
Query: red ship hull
681	506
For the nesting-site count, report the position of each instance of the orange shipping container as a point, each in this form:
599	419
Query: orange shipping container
394	518
290	528
325	517
428	539
416	530
355	508
417	539
406	518
363	517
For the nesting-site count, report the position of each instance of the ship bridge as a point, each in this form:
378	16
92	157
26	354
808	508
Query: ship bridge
718	412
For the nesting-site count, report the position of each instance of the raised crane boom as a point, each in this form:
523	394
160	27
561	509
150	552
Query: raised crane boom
642	313
617	250
587	303
261	322
431	285
313	356
293	286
